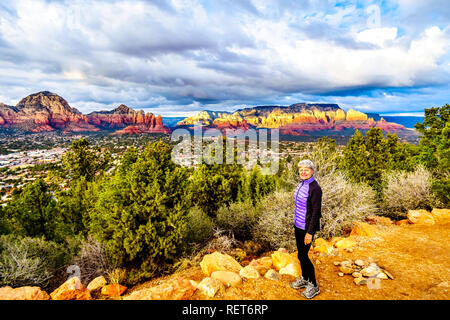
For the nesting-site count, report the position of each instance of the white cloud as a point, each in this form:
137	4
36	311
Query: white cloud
101	53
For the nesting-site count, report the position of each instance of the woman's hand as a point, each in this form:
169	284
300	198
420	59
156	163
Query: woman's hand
308	238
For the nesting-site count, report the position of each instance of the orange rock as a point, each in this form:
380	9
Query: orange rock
363	229
402	222
217	261
420	217
178	288
262	264
23	293
441	215
322	246
72	289
281	260
292	269
113	290
228	278
345	243
249	272
210	287
97	283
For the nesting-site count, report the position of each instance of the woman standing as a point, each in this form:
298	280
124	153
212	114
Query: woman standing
308	205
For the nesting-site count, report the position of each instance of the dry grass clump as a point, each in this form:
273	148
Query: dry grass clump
275	227
343	203
92	260
405	191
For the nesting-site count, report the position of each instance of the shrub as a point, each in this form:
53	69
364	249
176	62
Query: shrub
275	227
92	260
29	261
238	219
200	227
405	191
344	202
141	213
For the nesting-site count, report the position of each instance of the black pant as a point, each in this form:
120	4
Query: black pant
305	263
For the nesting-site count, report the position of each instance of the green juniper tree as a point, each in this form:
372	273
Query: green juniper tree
141	212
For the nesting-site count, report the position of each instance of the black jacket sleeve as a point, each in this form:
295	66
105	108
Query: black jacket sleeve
316	213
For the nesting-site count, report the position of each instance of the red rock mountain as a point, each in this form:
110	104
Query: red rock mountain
297	119
46	111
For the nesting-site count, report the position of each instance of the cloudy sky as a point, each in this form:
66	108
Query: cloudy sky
178	57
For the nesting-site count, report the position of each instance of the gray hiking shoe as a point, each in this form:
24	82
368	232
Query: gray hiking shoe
311	291
299	283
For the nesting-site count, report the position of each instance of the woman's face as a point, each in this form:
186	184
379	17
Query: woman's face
305	172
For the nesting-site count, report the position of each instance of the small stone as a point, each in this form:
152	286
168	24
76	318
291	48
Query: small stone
337	263
389	275
346	270
282	250
210	287
356	275
360	281
370	271
382	276
359	263
272	275
340	274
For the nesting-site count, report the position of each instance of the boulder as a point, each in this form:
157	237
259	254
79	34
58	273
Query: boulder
72	289
272	275
281	260
228	278
360	281
217	261
97	284
23	293
345	243
113	290
249	272
363	229
178	288
262	264
441	215
420	217
322	246
292	269
210	287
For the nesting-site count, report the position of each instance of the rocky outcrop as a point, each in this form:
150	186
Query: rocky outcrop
178	288
217	261
297	119
128	120
46	111
72	289
23	293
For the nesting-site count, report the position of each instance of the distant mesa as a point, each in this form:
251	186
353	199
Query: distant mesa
46	111
299	119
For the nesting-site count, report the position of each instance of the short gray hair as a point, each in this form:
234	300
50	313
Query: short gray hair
307	163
